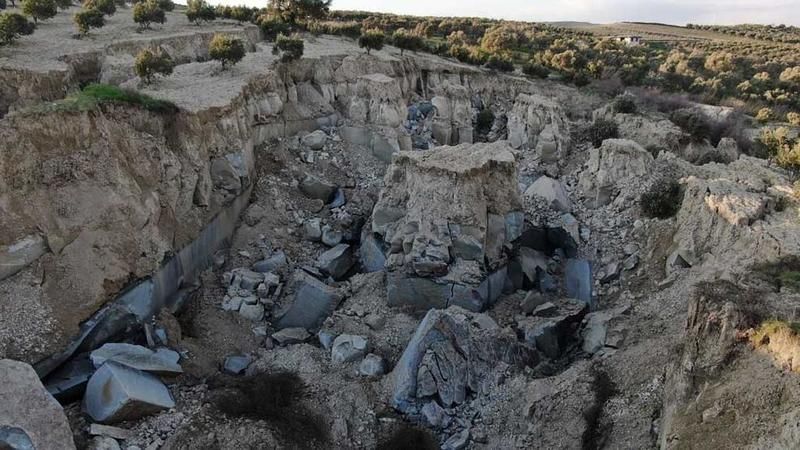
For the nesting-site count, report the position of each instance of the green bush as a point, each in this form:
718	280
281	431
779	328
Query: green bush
148	12
784	150
295	11
536	70
349	29
87	19
290	48
199	11
372	40
12	26
39	9
272	27
226	49
601	130
107	7
625	104
693	123
63	4
95	95
150	63
765	115
662	199
500	63
166	5
793	118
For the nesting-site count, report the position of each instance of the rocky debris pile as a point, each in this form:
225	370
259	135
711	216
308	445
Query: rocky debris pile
419	123
550	326
447	217
30	418
252	293
454	357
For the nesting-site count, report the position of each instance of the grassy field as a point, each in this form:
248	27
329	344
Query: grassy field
651	31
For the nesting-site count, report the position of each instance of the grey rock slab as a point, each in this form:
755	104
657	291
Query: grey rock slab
161	361
336	262
16	256
275	262
338	200
97	429
312	229
254	312
371	254
116	393
372	366
289	336
236	364
552	192
315	140
325	339
594	334
457	441
103	443
30	418
420	293
434	414
313	187
348	348
68	382
331	237
578	280
313	302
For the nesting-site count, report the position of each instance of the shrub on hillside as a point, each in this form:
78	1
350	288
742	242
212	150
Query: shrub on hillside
662	199
150	63
625	104
148	12
349	29
12	26
784	150
294	11
226	49
765	115
793	118
107	7
693	123
405	40
166	5
500	63
63	4
86	19
536	70
290	48
601	130
39	9
199	11
272	27
372	40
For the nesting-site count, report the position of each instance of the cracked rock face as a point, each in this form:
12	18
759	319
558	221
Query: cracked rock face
454	353
446	216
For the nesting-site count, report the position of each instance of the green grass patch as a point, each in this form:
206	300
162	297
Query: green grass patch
95	95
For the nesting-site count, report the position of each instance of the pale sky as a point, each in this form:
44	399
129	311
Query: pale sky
678	12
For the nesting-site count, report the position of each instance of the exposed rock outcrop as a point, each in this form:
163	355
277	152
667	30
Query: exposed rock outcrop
538	124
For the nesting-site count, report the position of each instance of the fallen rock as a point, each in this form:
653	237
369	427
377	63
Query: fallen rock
552	192
452	351
162	361
122	434
553	333
457	441
312	230
578	280
434	414
313	302
68	382
331	237
313	187
236	364
371	254
315	140
372	366
117	393
30	418
103	443
594	334
254	312
289	336
348	348
336	262
617	161
275	262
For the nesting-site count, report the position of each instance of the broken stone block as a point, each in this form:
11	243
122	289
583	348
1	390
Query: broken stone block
434	414
117	393
162	361
254	312
372	366
331	237
122	434
336	262
289	336
30	418
68	382
551	334
457	441
578	280
552	192
315	140
313	302
338	199
275	262
236	364
313	187
348	348
371	254
450	352
312	230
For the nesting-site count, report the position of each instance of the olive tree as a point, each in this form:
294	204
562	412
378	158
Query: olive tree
147	12
107	7
12	26
150	63
226	49
292	11
39	9
405	40
372	40
199	11
290	48
86	19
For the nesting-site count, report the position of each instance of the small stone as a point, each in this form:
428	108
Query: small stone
252	312
162	361
236	364
552	192
457	441
315	140
339	199
630	248
611	272
372	366
325	339
545	309
336	262
348	348
331	237
315	188
275	262
532	301
103	443
631	262
375	321
122	434
231	303
312	230
289	336
434	414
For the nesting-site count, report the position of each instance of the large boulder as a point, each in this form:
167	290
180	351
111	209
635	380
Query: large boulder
454	352
116	393
445	216
30	418
616	163
312	303
161	361
539	124
552	192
